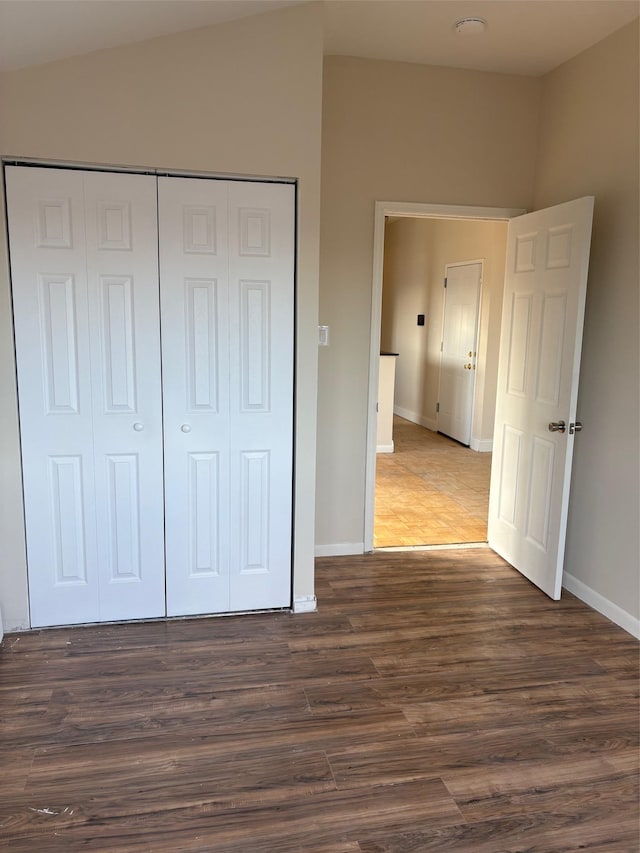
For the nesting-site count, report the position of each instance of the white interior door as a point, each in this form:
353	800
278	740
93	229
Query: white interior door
226	265
458	358
541	339
85	294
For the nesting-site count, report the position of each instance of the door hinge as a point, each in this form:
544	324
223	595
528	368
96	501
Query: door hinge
437	407
445	282
441	346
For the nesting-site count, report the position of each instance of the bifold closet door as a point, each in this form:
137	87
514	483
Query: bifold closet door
226	281
85	293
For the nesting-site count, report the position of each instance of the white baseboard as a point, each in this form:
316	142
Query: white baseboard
340	549
305	604
601	604
482	445
384	448
415	418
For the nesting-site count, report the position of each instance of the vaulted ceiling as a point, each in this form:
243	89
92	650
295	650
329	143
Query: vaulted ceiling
522	36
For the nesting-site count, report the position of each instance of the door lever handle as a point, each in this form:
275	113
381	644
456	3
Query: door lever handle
557	426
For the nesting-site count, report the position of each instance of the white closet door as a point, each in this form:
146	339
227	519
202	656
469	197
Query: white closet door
49	283
87	357
261	301
226	269
122	267
195	350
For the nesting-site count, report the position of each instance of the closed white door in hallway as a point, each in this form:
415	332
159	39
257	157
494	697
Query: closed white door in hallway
459	341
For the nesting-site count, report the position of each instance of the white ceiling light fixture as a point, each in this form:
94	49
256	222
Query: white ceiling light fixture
470	26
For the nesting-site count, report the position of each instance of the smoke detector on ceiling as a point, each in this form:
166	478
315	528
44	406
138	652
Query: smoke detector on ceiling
470	26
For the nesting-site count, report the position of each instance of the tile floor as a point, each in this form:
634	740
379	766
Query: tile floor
431	491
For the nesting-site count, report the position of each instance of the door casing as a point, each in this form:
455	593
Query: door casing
411	210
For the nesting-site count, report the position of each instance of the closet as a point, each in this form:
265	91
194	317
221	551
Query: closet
154	343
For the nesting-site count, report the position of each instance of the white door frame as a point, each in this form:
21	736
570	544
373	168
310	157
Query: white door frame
411	210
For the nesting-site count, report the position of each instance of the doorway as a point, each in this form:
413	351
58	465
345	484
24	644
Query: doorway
418	378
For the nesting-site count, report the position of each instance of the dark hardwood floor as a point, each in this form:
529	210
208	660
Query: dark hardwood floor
436	702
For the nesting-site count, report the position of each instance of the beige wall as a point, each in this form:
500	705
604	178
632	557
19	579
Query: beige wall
416	254
406	293
589	146
241	98
397	132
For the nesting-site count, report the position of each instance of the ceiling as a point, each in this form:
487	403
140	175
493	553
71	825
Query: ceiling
522	36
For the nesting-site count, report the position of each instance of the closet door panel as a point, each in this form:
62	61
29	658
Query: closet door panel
261	318
52	336
122	270
195	352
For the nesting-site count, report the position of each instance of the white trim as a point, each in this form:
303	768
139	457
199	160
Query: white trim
384	448
482	445
305	604
415	418
446	211
601	604
72	165
411	209
340	549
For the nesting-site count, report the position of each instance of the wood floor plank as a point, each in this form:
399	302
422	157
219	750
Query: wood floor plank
426	803
537	833
92	716
15	766
486	680
388	762
436	701
478	784
161	782
548	707
597	796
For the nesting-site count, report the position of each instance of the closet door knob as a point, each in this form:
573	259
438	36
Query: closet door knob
185	428
138	427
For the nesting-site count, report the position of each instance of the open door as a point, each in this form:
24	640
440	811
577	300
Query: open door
535	426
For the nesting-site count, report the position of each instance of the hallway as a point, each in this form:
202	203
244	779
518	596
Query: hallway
431	491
